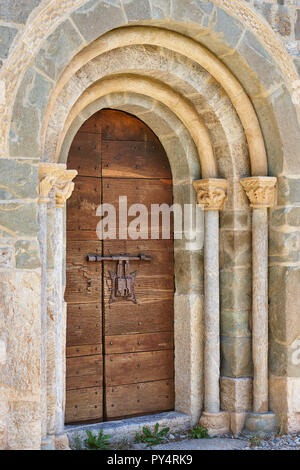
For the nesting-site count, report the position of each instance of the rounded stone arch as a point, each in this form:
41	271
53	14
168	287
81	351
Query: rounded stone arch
212	24
175	138
185	77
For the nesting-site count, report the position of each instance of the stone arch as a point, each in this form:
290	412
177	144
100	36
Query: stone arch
184	161
190	80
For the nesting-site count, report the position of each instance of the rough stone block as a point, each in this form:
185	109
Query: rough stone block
285	216
6	257
236	394
259	60
236	358
18	179
188	332
188	272
288	190
238	220
58	49
30	105
137	10
17	11
22	416
19	219
160	10
187	10
235	323
229	27
27	254
285	360
284	295
261	423
235	248
215	423
284	246
7	35
235	288
287	123
97	17
237	422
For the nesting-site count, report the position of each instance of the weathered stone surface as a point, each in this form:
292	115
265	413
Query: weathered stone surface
137	10
22	417
236	394
237	422
215	423
288	190
285	216
61	442
58	49
19	219
285	401
288	128
284	246
17	11
259	60
18	179
188	332
6	38
27	254
285	360
236	357
235	323
188	272
284	295
6	257
235	248
29	108
229	28
160	9
236	289
261	423
234	219
187	10
98	16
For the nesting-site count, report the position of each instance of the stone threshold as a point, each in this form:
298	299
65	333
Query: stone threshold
127	428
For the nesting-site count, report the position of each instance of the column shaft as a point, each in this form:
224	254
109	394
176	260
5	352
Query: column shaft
211	307
260	309
59	322
43	255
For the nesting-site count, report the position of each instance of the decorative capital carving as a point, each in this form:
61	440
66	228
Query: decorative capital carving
260	190
55	175
211	193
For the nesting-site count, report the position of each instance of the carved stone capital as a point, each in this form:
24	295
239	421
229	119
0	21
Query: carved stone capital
55	175
48	173
64	187
261	190
211	193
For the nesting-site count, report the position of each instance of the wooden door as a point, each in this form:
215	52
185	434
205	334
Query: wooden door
128	347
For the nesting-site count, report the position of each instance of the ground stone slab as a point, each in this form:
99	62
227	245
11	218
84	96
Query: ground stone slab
204	444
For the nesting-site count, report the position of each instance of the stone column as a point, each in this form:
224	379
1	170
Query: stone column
64	189
56	177
261	193
211	194
46	183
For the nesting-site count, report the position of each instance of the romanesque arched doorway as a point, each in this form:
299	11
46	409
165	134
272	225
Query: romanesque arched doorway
120	346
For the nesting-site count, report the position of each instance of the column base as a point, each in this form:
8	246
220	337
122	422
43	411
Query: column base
215	423
261	423
47	444
61	442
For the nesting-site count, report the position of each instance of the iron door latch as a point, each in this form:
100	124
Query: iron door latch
123	282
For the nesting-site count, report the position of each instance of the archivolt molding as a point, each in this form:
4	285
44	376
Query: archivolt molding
180	73
57	10
175	42
184	161
162	93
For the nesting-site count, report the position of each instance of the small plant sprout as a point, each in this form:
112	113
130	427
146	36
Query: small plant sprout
151	438
100	442
198	432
